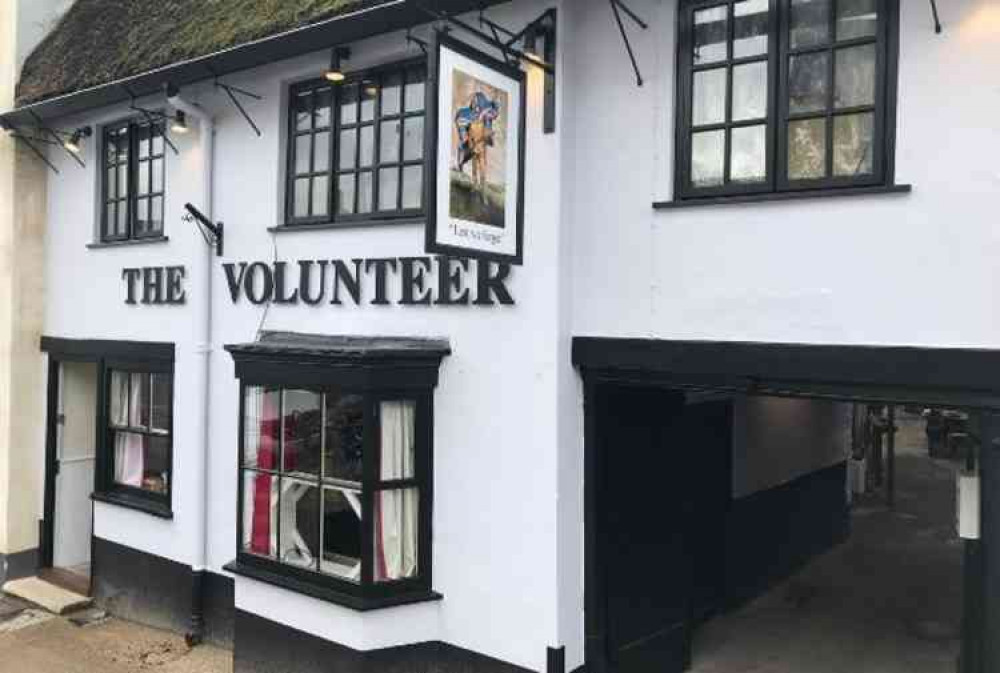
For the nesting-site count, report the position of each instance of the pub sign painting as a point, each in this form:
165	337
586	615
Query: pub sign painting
475	154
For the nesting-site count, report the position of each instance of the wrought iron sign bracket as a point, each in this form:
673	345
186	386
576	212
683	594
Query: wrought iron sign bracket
618	7
543	27
213	232
29	141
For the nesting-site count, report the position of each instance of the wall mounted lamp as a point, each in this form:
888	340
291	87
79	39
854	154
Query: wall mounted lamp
74	143
335	73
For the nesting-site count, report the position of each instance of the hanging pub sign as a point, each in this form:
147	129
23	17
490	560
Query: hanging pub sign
474	154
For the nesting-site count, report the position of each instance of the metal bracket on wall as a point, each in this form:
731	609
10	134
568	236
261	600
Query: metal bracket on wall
152	116
617	7
212	232
232	92
937	17
542	28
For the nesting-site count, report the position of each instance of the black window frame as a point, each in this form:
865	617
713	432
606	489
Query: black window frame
106	488
368	77
776	181
133	128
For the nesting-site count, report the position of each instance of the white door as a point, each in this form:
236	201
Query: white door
75	452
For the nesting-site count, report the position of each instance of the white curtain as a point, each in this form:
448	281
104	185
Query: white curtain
129	458
396	511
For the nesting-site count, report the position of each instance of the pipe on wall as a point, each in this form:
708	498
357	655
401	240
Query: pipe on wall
204	350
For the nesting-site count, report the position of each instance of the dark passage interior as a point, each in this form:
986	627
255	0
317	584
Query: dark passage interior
743	533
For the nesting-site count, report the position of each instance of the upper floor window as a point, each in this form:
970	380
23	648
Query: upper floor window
133	181
782	95
356	149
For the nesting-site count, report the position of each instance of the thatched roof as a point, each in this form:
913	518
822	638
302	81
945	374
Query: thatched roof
101	41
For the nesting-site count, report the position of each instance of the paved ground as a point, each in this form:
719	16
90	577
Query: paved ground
33	641
888	601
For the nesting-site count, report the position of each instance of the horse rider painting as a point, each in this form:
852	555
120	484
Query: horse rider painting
480	110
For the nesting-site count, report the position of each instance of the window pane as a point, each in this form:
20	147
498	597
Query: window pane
129	458
144	142
110	219
389	142
391	88
260	513
119	398
749	154
141	215
143	179
415	91
321	147
388	188
348	148
711	35
369	90
809	24
397	526
302	109
853	145
261	427
750	27
413	186
365	192
709	94
341	534
750	91
299	524
397	435
808	76
156	213
367	148
345	194
413	139
158	141
303	422
110	149
123	182
138	411
112	192
160	404
157	182
708	158
807	149
301	203
856	18
321	115
156	471
349	104
303	145
121	143
320	195
122	229
855	76
345	431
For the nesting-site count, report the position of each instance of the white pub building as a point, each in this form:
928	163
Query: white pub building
442	335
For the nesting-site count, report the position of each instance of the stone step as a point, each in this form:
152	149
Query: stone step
46	595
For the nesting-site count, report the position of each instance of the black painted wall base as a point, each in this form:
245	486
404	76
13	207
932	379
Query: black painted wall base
156	591
263	646
18	565
771	534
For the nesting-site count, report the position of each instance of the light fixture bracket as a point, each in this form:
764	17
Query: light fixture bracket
216	230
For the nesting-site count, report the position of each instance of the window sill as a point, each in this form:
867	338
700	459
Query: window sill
156	509
781	196
127	242
348	224
358	603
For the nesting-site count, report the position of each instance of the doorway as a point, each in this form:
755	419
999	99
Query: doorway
70	474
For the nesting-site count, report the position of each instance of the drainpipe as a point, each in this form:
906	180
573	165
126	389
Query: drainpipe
203	349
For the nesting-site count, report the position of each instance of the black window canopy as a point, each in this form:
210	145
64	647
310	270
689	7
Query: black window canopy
335	455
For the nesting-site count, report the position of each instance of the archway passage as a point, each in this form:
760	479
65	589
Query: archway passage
729	527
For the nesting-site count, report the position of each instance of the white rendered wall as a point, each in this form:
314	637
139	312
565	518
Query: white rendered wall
498	408
905	269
